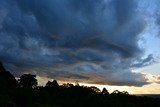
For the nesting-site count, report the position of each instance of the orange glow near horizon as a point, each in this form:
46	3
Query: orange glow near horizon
146	89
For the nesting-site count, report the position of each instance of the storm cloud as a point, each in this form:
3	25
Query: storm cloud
91	41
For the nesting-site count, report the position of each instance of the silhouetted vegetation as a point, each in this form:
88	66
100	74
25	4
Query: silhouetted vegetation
7	80
28	81
25	93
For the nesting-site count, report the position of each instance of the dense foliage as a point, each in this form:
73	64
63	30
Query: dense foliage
26	93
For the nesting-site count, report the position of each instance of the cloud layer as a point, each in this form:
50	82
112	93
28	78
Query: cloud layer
93	41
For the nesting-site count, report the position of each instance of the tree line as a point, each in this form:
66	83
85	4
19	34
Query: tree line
25	92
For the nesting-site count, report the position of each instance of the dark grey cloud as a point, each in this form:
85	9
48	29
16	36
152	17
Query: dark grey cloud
156	79
144	62
94	41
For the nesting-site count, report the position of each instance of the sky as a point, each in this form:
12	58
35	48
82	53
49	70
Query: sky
106	43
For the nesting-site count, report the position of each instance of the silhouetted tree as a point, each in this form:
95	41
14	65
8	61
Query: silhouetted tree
53	84
125	92
67	85
28	81
7	80
105	91
95	89
116	92
2	69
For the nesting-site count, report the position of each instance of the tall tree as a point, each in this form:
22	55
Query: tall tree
28	81
105	91
7	80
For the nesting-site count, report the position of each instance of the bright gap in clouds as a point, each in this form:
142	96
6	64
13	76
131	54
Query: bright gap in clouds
151	89
151	45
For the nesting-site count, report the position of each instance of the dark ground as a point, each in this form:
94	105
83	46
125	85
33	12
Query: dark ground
26	93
